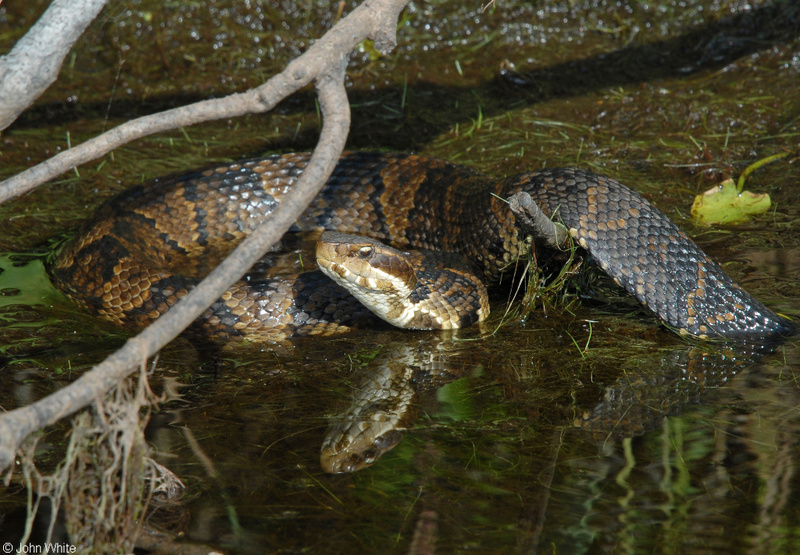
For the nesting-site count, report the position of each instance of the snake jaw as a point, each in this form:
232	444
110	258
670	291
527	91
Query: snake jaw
381	277
348	455
411	290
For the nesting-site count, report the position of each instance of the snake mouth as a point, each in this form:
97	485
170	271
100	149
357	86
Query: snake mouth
330	267
359	453
361	263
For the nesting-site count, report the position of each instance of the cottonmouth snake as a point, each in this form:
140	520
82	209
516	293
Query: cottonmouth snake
147	247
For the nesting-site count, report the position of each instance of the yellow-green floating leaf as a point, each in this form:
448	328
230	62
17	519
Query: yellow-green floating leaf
724	204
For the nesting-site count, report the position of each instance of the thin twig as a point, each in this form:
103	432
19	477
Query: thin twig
376	19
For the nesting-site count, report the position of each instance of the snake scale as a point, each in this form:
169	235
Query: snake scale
146	248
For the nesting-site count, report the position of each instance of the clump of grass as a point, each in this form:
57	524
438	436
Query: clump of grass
546	283
543	285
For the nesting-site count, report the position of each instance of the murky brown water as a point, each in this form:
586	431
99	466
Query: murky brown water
585	429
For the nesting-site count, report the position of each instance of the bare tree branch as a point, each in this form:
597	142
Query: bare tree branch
375	19
324	64
34	63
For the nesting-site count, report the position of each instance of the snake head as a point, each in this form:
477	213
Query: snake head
366	263
414	290
379	276
354	453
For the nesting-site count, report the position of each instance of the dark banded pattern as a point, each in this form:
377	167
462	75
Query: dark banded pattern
147	247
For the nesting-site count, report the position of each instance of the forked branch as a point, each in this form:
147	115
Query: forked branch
322	64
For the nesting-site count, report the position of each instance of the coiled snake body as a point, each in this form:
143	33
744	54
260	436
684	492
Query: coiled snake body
147	247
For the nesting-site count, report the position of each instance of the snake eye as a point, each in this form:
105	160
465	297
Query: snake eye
365	252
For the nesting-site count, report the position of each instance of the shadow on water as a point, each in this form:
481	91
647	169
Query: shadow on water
704	48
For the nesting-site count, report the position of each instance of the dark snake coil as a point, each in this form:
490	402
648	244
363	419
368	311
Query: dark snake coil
147	247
